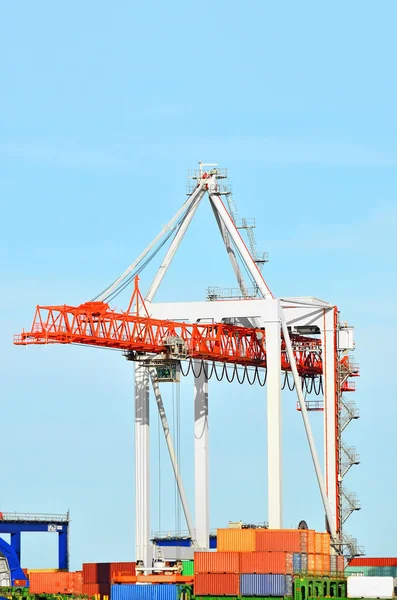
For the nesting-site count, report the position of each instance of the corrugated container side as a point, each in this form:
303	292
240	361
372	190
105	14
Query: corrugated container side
158	591
326	543
93	589
56	583
103	572
318	543
235	540
311	565
304	540
289	585
263	585
278	540
217	562
373	571
188	567
297	562
220	584
304	565
311	541
333	563
367	561
340	563
266	562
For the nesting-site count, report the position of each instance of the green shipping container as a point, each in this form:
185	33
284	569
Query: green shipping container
372	571
188	567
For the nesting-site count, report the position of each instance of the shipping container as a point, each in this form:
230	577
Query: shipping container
311	565
311	541
340	563
322	564
219	584
278	540
103	572
289	585
333	563
56	583
235	540
370	587
322	543
266	562
95	589
155	591
304	562
297	562
188	567
366	561
263	585
217	562
372	571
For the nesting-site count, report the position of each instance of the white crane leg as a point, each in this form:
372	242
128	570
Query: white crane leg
174	462
309	434
238	240
274	445
142	466
231	253
330	391
201	458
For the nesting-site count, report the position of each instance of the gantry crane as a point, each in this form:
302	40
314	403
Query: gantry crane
296	336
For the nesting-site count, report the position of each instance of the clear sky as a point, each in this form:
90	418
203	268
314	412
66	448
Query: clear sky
103	108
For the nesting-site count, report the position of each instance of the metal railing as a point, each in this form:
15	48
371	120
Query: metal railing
34	517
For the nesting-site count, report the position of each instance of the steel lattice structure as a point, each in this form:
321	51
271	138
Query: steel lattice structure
262	332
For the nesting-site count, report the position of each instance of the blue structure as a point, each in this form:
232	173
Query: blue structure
13	562
15	524
184	542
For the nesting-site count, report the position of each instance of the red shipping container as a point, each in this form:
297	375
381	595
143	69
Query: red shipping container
266	562
278	540
92	589
56	583
103	572
217	562
217	585
373	562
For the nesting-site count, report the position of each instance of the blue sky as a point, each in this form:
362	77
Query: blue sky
103	109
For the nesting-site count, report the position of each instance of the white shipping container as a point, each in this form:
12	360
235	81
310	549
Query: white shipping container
370	587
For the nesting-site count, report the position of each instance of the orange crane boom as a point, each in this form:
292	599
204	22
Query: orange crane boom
96	324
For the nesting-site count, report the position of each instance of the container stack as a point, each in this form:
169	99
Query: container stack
262	562
372	567
97	577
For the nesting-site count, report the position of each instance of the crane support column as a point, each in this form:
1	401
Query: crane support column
274	474
142	466
15	540
201	458
332	484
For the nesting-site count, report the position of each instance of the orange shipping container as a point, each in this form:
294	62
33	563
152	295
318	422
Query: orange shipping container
266	562
311	541
216	562
340	564
92	589
304	540
235	540
326	544
278	540
322	564
103	572
311	565
56	583
217	585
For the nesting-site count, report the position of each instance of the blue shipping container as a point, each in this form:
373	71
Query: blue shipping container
145	591
262	585
297	562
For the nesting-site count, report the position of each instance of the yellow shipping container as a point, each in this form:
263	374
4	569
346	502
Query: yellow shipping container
235	540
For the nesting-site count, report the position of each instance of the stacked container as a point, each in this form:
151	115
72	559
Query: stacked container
262	562
97	577
372	567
